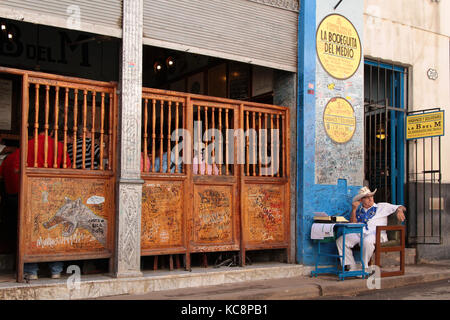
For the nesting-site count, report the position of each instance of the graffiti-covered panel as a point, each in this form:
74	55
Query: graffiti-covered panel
162	215
213	215
68	215
264	213
338	91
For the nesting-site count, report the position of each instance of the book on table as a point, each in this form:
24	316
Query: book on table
322	217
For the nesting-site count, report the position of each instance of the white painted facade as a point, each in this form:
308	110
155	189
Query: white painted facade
415	34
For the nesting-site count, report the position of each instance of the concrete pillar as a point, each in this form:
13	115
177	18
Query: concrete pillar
129	189
284	89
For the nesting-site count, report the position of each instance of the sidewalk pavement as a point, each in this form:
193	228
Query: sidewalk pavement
274	281
297	288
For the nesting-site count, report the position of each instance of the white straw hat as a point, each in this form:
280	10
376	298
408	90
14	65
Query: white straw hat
363	192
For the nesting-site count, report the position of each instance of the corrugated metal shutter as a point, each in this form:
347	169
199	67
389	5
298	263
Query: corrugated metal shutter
242	30
100	16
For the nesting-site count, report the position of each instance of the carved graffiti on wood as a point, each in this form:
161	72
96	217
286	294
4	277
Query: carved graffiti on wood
73	215
213	221
264	214
61	218
162	215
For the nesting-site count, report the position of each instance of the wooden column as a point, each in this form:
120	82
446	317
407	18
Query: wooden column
128	222
23	178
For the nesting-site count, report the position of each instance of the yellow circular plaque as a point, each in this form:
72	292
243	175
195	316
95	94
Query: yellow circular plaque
339	120
338	46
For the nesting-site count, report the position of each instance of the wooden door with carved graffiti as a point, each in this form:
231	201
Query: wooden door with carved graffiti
216	175
164	193
265	179
215	213
67	165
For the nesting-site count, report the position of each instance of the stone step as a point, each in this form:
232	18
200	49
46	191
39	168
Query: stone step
94	286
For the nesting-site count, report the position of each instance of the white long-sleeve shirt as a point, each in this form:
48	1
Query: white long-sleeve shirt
380	218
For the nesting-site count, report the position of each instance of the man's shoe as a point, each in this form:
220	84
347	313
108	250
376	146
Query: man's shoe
30	276
56	275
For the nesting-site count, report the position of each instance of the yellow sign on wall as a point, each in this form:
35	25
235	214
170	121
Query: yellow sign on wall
338	46
339	120
425	125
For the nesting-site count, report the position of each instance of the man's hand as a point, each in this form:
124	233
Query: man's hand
353	213
401	213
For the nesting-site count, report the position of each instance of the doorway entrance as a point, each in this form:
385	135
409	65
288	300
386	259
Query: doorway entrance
10	97
385	102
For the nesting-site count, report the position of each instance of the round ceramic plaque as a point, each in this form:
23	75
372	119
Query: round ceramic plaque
339	120
338	46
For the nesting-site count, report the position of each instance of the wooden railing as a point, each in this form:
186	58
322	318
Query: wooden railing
260	145
67	199
86	121
67	110
269	140
228	187
161	115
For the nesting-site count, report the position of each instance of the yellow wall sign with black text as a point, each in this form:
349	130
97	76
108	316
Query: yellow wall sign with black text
339	120
338	46
425	125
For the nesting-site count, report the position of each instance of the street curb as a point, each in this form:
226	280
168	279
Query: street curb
305	288
328	288
360	286
302	286
274	293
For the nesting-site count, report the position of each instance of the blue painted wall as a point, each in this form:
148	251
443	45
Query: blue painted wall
312	197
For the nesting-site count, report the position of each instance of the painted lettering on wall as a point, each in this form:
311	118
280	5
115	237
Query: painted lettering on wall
63	48
338	46
339	120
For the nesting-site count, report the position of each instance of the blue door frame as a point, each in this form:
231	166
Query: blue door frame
397	109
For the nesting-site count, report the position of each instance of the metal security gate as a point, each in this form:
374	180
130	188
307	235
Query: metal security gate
252	31
101	16
385	107
424	188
